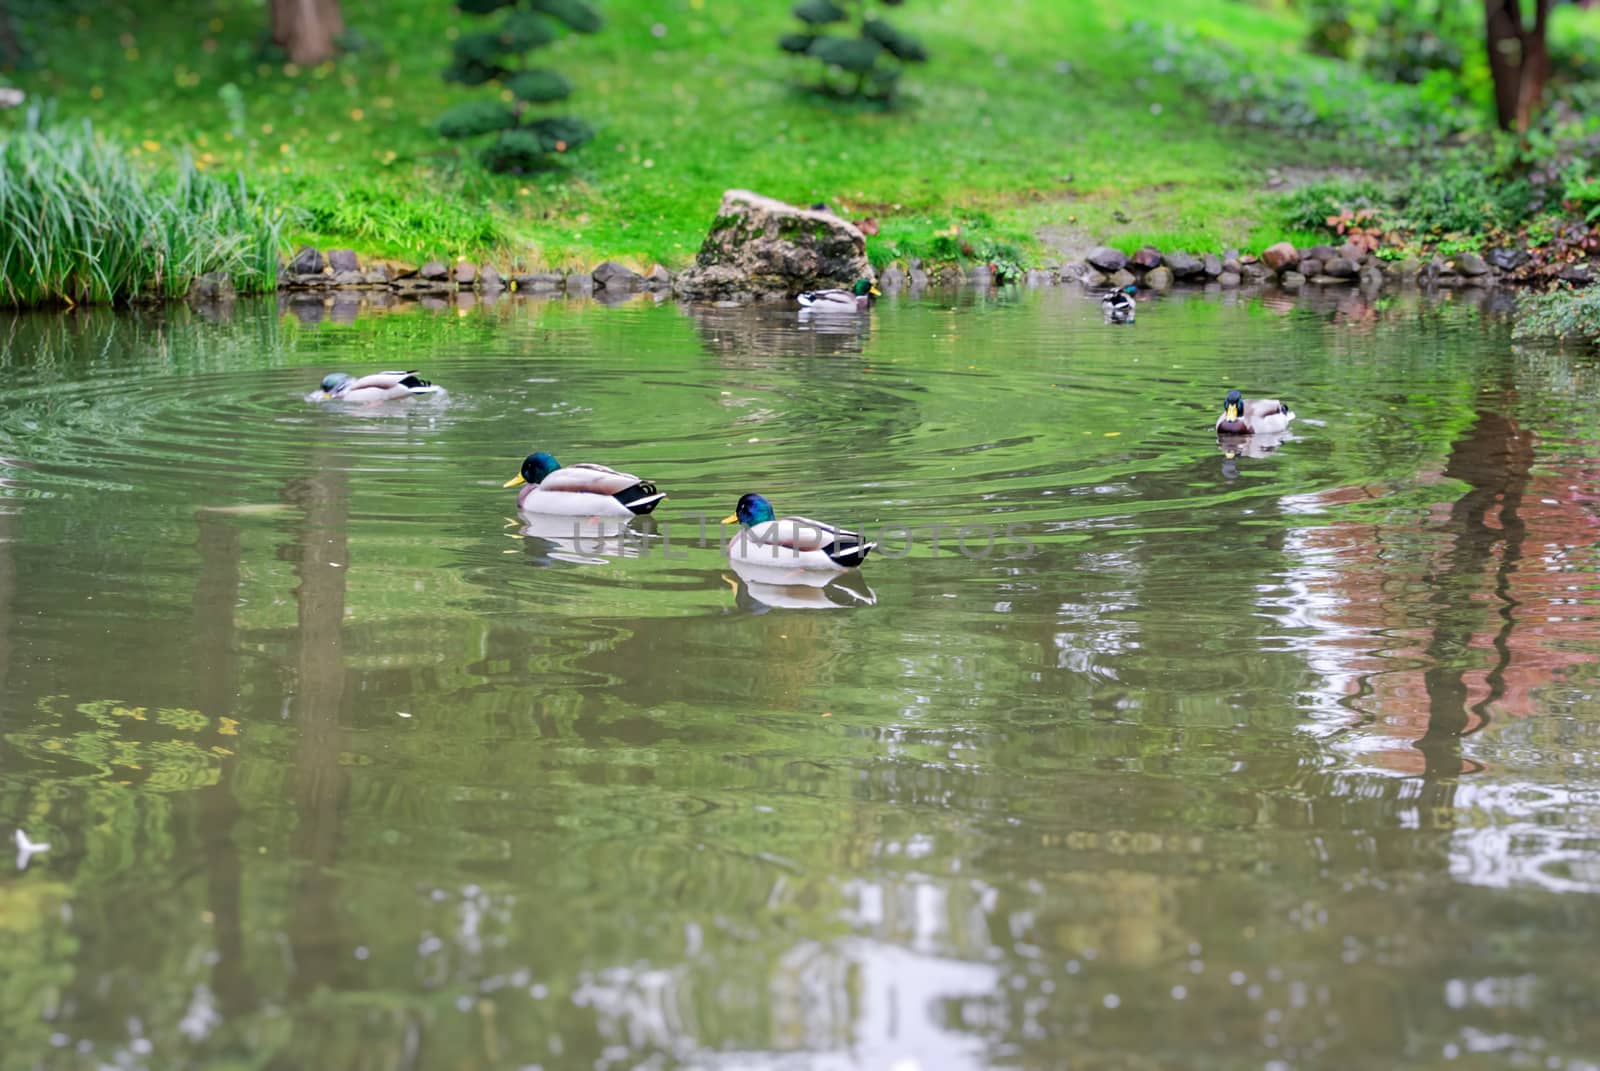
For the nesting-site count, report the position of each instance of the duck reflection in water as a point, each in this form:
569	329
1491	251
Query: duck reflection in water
762	588
1258	445
583	540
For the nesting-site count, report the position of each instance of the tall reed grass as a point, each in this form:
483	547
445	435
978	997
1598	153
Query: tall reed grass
80	223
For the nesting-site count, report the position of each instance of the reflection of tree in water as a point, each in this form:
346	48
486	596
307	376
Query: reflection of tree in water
218	812
321	785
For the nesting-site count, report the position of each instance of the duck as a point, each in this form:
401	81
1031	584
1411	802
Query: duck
1252	416
857	299
581	490
377	387
791	542
1119	306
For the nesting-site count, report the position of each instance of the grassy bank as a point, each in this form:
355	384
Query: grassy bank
1036	124
79	223
1074	121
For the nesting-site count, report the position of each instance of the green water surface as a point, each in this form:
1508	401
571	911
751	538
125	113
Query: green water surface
1286	759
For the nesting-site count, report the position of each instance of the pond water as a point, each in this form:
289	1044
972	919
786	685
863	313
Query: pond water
1173	758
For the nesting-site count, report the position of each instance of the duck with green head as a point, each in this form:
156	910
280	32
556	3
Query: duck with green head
581	490
1119	304
1252	416
377	387
857	299
791	542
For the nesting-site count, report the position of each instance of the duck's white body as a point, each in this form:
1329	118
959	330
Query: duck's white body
1119	307
382	387
833	301
798	543
589	490
1256	416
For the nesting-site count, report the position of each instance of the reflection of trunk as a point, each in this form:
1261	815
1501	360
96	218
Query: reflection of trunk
306	28
214	598
1494	459
320	786
8	588
1518	60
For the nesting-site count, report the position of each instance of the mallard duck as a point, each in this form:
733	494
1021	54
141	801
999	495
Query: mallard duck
378	387
1119	305
1251	416
857	299
790	542
582	490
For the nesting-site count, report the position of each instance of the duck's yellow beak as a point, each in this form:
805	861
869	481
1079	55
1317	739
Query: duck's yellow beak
1231	412
514	481
875	292
732	518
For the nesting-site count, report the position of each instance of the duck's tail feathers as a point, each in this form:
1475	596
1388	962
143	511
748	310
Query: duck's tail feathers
641	498
415	383
850	556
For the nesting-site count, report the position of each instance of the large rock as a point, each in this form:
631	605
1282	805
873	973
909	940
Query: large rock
1470	264
490	281
1107	259
434	272
1341	268
612	276
760	246
1508	259
1213	264
307	262
1147	257
343	260
1280	257
1184	265
543	282
1120	279
1158	278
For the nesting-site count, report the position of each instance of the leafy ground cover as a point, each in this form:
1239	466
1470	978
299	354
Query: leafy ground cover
1075	120
1034	124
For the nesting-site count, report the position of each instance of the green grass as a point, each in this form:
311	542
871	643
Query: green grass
1043	117
78	223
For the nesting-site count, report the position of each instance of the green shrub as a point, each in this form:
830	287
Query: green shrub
1308	208
79	223
1563	313
1462	194
521	141
872	60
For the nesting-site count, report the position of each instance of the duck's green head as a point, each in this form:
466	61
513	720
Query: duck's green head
864	287
535	467
1233	406
751	510
1130	290
332	382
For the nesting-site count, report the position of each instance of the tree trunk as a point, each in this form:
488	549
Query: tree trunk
306	28
1518	60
